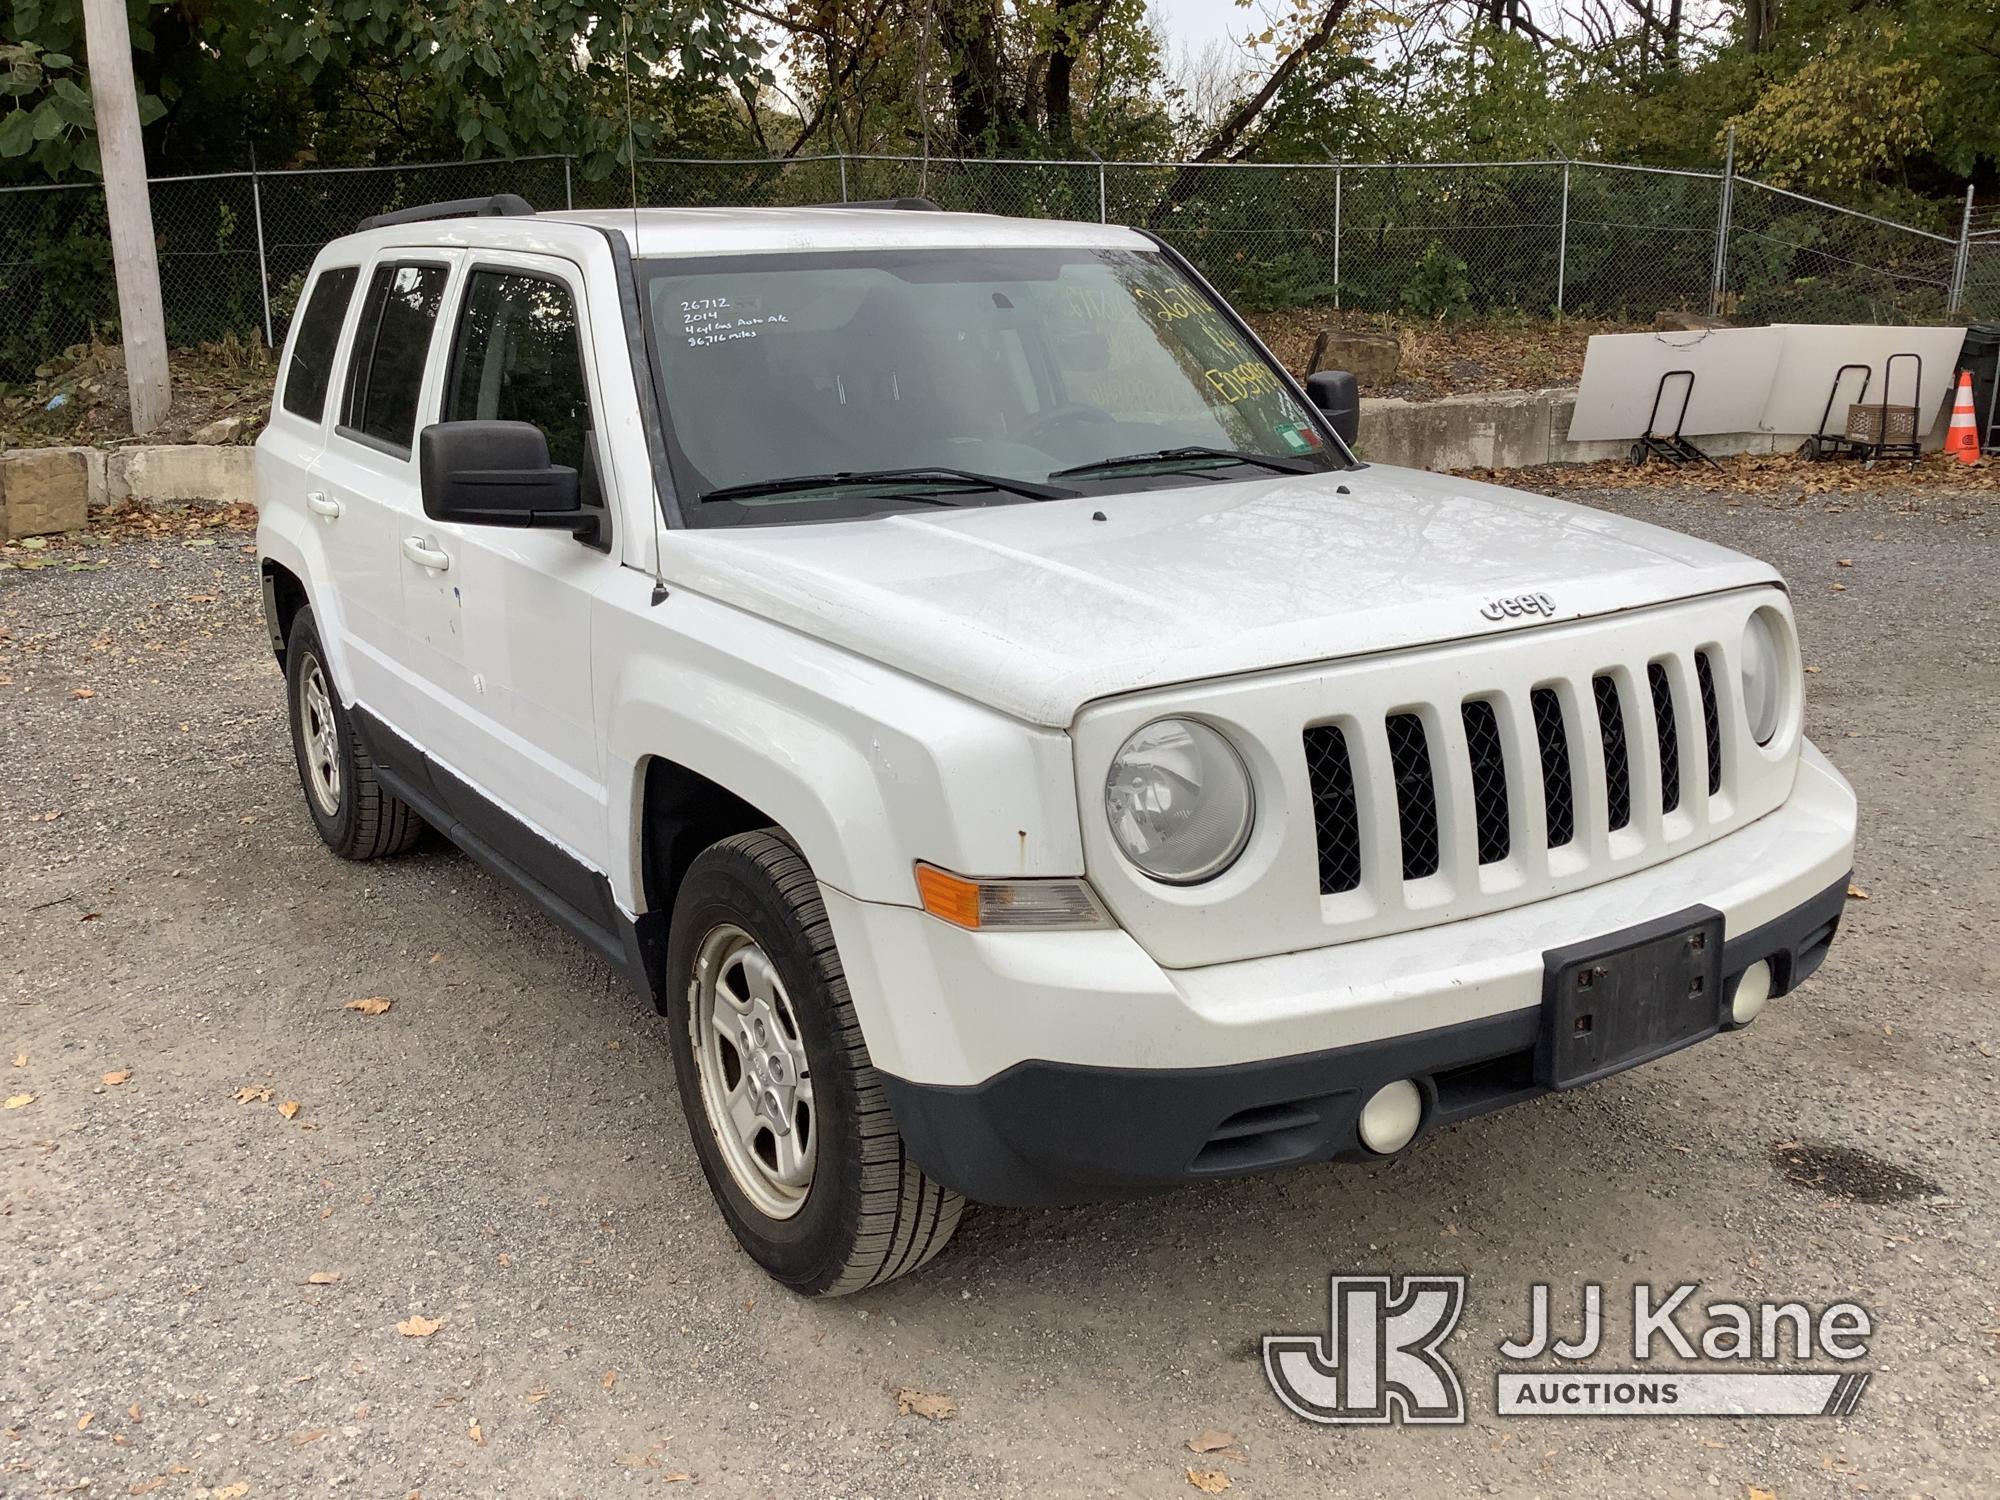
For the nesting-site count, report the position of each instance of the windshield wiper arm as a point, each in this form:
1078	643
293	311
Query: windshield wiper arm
1169	455
924	474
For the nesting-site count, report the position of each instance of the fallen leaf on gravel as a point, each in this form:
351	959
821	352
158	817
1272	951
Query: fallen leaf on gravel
374	1005
924	1404
20	1059
121	1075
1209	1439
18	1101
289	1109
610	1379
147	1486
254	1093
234	1491
308	1437
537	1395
84	1420
323	1278
83	692
132	1412
1208	1481
1844	562
476	1433
1757	1494
417	1326
677	1479
1812	669
1857	893
1840	588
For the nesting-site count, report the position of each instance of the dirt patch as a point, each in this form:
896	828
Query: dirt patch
81	398
1765	476
1444	358
1846	1172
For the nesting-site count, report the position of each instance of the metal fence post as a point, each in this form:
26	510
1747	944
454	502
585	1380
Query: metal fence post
1562	241
569	197
263	270
1962	261
1724	202
842	157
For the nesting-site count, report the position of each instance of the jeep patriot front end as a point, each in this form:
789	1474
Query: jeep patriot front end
978	693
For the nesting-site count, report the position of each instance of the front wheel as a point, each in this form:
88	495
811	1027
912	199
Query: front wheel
785	1108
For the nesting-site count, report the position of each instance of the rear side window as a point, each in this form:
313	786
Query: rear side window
517	359
311	367
390	343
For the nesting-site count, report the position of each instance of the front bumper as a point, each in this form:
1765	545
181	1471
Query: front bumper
1054	1067
1046	1132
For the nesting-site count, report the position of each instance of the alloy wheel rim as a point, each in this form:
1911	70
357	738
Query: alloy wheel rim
319	739
756	1082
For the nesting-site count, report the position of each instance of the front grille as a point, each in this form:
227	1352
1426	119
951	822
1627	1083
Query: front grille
1670	744
1331	774
1489	780
1558	800
1711	722
1416	794
1420	755
1611	733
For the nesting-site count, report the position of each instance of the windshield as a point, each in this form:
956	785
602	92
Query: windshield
999	375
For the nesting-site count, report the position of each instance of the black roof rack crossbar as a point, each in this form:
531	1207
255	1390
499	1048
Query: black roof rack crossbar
913	205
454	208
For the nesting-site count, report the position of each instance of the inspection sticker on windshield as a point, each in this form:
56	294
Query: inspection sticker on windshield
1300	437
719	320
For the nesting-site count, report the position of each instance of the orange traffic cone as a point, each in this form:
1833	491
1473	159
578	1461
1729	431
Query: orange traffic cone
1962	440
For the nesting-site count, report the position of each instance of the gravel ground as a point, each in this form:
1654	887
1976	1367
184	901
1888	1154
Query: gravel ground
202	1290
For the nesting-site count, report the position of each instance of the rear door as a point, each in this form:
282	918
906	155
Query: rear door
499	617
364	483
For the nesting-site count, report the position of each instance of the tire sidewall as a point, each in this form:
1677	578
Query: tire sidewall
809	1249
303	646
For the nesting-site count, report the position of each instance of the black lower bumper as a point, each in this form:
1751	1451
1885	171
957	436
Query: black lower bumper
1050	1132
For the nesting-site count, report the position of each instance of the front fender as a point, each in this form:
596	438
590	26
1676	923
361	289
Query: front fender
867	769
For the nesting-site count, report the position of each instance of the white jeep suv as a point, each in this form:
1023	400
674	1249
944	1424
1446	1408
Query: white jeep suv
975	691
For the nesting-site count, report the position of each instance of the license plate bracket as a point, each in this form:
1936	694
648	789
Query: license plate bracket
1625	998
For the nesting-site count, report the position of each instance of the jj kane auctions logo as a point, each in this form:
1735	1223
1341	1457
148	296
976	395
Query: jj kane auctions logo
1382	1358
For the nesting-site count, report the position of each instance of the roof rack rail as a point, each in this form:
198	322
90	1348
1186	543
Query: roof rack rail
495	206
912	205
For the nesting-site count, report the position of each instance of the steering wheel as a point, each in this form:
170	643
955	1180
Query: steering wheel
1068	414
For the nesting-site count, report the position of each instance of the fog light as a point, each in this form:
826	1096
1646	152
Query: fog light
1752	991
1389	1120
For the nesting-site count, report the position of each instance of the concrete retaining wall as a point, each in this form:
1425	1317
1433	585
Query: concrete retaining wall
1516	430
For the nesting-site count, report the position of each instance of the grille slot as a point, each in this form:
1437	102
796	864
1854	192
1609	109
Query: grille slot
1331	774
1416	794
1711	723
1489	780
1617	770
1669	732
1558	795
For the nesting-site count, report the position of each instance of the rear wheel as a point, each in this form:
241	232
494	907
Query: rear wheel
785	1108
355	815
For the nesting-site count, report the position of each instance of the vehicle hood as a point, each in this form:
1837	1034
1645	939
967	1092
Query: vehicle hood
1037	609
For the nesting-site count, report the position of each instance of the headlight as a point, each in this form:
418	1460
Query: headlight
1179	802
1763	668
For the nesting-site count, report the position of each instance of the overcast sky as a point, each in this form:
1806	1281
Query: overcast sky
1194	22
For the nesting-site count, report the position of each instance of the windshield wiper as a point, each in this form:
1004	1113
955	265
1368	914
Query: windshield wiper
1170	455
856	478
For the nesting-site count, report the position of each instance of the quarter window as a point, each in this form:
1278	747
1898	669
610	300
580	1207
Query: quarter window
517	358
311	367
390	344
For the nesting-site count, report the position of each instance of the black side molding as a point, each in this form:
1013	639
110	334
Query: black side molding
497	205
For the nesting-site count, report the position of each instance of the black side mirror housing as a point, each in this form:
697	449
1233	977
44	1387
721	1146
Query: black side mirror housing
495	474
1338	396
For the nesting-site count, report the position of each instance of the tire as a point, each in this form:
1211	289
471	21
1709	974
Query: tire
866	1213
355	815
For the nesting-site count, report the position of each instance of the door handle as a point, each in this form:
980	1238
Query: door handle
418	551
322	504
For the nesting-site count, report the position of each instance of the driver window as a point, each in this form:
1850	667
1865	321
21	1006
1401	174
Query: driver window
517	358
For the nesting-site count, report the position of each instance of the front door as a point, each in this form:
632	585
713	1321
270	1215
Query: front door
499	617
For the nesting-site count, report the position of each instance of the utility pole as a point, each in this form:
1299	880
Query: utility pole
114	98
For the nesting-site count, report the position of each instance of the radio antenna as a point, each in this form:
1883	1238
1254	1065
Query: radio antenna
632	180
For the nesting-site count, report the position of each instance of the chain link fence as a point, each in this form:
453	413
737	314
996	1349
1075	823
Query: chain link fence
1526	239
